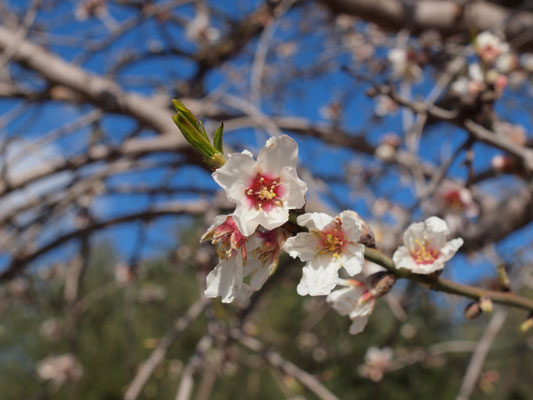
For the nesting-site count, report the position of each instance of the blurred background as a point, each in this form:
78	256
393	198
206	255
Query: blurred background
401	109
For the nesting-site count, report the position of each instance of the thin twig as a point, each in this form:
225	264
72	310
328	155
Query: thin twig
480	353
150	364
445	285
275	359
187	377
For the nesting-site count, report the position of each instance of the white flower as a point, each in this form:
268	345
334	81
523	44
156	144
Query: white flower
404	65
489	47
199	31
454	198
225	280
377	362
354	300
59	369
264	190
330	244
254	257
376	356
425	247
265	248
370	268
507	63
385	106
471	84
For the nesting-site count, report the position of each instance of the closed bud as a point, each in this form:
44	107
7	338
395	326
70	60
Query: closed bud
504	279
485	304
367	236
216	161
473	310
380	283
527	324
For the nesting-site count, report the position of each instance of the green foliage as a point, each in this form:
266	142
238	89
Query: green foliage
121	324
194	132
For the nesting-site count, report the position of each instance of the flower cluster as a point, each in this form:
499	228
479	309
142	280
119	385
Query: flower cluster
250	240
269	218
496	64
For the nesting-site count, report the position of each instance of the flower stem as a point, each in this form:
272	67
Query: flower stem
445	285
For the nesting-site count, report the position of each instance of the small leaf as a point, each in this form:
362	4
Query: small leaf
202	130
180	108
217	138
191	135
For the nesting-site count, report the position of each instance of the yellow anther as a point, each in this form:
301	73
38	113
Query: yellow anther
424	254
265	194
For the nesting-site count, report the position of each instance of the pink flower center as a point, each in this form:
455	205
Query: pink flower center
271	242
424	253
453	200
265	192
490	53
331	239
230	239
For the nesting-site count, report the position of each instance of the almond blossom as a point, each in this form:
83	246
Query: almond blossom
330	244
265	248
404	64
489	47
254	257
377	363
199	31
264	190
425	247
471	84
355	300
455	199
60	369
225	280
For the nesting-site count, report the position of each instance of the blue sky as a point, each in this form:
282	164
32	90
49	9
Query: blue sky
309	96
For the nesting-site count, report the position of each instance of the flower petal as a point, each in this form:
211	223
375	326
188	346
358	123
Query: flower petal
402	259
218	220
258	271
295	188
319	276
449	250
358	324
351	225
345	300
236	174
315	221
353	258
246	218
436	231
279	151
414	232
225	280
273	218
303	245
363	309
